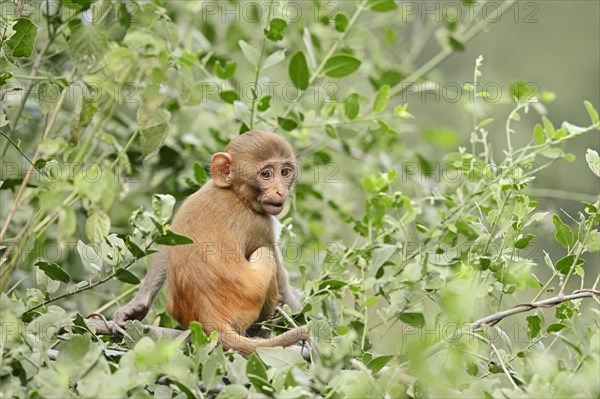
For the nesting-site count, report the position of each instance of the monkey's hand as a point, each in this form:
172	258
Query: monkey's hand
134	310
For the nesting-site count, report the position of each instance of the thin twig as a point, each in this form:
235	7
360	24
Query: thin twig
499	356
49	125
88	287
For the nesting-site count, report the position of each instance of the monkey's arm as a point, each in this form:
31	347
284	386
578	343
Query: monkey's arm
138	307
289	295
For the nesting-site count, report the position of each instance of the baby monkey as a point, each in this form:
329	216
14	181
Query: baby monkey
233	274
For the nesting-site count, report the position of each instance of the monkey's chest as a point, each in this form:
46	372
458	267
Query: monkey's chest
255	233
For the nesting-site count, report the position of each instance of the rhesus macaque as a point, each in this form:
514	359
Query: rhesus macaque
232	275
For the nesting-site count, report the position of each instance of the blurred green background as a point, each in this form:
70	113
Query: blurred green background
561	53
554	45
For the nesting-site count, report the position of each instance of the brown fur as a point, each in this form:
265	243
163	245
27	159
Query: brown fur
230	277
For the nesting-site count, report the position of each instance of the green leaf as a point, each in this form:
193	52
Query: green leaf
413	319
48	94
251	54
332	285
566	263
592	113
472	369
547	96
381	99
523	243
538	135
549	127
351	106
54	271
563	235
280	358
257	374
97	225
127	277
382	5
593	241
378	363
274	58
401	111
154	129
225	71
298	70
4	77
341	65
22	41
77	357
564	311
133	248
89	257
534	326
82	117
593	161
264	103
171	238
555	327
386	128
522	91
88	43
371	301
331	131
455	44
276	29
229	96
80	5
444	138
144	43
551	152
571	129
162	207
200	174
199	338
287	124
341	21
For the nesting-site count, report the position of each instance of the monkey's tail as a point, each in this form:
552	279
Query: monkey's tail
231	339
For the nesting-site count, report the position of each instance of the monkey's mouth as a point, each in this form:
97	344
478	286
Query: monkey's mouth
274	207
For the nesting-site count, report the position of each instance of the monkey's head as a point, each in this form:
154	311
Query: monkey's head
260	167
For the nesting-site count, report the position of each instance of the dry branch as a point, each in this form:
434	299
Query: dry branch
525	307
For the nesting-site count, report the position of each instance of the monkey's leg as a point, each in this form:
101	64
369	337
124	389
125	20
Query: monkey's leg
256	296
138	307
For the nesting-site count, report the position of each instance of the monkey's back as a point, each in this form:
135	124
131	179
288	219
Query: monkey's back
209	280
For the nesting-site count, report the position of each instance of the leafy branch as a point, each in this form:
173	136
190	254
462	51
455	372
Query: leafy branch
80	290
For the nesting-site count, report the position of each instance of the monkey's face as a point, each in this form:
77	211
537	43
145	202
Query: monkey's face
274	180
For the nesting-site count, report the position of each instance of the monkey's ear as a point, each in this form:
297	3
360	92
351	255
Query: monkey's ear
220	169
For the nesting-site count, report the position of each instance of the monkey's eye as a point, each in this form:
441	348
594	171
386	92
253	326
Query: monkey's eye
266	174
285	172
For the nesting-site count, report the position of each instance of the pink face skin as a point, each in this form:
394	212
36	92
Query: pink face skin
275	180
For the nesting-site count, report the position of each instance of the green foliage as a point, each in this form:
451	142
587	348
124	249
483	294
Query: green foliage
298	70
396	245
22	40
